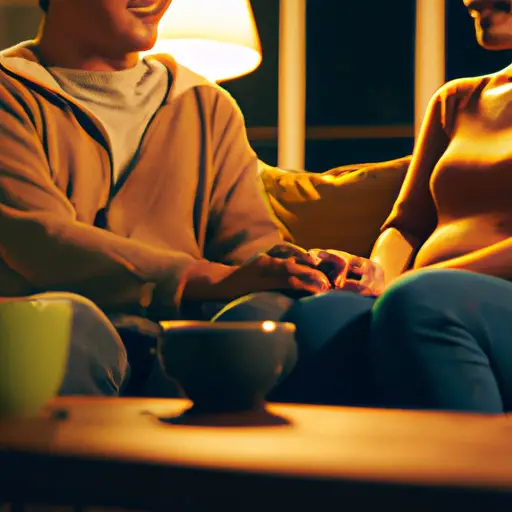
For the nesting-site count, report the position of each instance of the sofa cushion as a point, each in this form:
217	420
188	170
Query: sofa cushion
342	209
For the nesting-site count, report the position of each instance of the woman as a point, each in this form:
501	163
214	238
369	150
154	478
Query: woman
439	336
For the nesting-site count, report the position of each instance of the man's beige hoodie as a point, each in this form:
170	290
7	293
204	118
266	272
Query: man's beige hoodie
193	195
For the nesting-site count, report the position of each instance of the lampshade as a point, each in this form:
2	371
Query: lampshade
215	38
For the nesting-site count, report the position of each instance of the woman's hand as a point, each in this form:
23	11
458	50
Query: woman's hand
348	272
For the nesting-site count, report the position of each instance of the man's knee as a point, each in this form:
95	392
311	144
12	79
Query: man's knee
320	319
97	360
256	307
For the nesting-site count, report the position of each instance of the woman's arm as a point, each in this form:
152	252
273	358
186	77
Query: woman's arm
495	260
414	215
394	252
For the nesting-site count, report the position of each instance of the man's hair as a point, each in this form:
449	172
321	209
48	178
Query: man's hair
44	4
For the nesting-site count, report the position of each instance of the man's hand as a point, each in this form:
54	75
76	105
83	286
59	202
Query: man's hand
343	270
266	272
287	250
263	272
348	272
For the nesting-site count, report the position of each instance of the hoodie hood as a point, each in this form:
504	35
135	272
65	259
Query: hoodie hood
21	61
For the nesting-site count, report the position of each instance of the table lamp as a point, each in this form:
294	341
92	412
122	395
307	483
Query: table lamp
217	39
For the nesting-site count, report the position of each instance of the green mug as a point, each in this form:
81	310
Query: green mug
34	343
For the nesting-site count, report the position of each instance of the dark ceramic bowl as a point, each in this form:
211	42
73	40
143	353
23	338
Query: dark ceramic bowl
227	366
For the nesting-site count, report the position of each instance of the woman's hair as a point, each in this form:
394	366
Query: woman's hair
44	4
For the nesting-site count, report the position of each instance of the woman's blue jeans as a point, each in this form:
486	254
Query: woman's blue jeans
437	339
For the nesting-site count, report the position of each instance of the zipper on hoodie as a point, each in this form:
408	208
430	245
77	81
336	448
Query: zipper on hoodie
116	187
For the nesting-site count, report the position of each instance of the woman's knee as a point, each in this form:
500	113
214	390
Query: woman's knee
429	290
425	304
430	340
97	360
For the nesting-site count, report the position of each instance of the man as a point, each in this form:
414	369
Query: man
128	182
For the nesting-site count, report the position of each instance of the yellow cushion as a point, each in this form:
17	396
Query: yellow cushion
342	209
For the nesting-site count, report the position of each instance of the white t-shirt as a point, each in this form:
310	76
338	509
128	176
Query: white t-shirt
123	101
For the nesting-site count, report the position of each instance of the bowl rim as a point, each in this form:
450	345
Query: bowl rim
265	327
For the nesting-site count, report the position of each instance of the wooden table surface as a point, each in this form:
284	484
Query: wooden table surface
119	452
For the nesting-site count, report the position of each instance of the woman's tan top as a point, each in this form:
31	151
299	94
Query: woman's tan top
456	197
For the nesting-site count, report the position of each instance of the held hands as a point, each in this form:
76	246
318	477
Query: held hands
350	273
343	270
286	268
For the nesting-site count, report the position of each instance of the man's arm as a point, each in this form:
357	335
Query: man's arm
43	242
241	220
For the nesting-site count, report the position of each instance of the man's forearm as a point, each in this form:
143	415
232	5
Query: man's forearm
71	256
203	282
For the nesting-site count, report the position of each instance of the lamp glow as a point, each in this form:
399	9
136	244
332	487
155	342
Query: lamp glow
217	39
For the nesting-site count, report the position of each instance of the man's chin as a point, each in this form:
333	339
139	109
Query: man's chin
142	40
139	45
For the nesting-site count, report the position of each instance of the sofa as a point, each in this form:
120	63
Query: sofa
342	208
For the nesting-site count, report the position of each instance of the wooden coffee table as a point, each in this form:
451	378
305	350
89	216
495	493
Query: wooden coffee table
117	452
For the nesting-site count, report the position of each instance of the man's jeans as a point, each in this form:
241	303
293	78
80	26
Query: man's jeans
109	361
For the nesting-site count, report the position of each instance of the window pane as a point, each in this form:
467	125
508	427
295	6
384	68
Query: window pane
360	62
257	93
